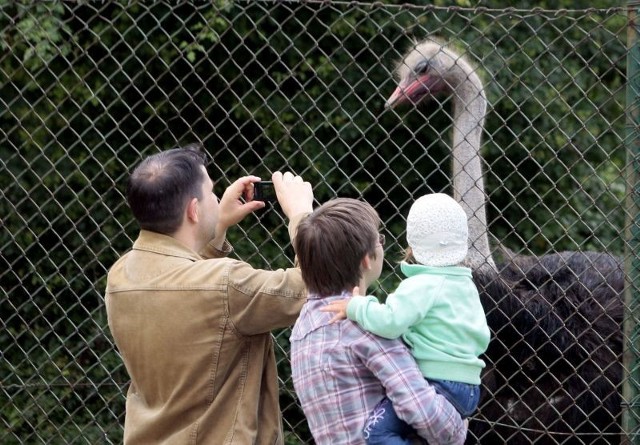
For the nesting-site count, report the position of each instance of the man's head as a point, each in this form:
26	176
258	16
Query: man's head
337	245
437	230
166	185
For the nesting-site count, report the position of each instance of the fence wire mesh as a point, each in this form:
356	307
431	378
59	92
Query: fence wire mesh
90	88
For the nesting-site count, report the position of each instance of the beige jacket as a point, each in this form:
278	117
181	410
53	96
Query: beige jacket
194	335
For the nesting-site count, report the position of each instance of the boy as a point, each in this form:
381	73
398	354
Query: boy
340	372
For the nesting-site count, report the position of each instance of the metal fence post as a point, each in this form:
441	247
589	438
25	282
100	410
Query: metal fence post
631	359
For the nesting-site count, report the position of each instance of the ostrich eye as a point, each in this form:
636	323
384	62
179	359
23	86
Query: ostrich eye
421	67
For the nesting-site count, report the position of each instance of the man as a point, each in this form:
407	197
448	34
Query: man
341	372
192	326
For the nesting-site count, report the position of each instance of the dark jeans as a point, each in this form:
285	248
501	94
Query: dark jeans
463	396
385	427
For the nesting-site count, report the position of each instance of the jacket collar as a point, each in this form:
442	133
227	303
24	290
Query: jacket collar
164	244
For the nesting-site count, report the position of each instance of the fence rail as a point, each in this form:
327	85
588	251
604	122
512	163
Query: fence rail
89	88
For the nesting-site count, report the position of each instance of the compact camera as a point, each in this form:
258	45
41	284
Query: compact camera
264	191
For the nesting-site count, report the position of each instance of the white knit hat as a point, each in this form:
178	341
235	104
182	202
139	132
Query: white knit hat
437	230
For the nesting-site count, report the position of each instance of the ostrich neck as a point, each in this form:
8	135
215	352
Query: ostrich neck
470	106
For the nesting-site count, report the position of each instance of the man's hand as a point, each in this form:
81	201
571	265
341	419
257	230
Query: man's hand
232	209
294	195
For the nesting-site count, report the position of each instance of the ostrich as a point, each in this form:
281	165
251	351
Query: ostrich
554	368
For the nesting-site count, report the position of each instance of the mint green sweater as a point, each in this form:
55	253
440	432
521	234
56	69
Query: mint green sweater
437	312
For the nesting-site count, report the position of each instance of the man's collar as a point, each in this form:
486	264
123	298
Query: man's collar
164	244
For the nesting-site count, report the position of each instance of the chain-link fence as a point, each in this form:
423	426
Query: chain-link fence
89	88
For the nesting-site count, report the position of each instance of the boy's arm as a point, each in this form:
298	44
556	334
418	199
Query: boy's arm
414	400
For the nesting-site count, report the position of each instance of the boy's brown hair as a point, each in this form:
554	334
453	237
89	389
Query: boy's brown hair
331	243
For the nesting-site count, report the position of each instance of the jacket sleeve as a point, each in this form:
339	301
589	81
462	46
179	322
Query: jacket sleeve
210	251
414	400
262	300
405	307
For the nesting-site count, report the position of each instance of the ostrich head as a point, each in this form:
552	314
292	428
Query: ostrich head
430	68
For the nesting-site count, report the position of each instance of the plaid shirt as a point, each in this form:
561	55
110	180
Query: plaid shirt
340	373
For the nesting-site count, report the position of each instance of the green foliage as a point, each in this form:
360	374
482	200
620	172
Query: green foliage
90	88
34	31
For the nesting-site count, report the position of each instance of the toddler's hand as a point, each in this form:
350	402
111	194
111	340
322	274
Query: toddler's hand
339	308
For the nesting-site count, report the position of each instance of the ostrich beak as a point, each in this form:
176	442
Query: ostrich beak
402	94
414	90
397	97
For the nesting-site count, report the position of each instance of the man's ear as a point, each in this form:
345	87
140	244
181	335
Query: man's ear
192	210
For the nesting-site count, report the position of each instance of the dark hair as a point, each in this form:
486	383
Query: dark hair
408	256
331	243
161	186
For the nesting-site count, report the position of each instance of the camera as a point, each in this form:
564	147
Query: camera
264	191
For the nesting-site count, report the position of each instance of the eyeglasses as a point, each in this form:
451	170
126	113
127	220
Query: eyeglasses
381	239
